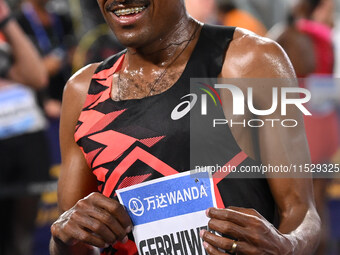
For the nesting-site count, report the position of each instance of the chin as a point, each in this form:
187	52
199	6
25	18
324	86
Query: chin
132	39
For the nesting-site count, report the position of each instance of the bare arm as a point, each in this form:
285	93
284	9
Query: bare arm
298	233
28	68
75	181
89	219
75	177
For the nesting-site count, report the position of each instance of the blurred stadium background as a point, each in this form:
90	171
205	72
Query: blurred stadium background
93	41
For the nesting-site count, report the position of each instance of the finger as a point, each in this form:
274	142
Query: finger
247	227
211	250
243	248
228	228
213	242
94	226
115	227
78	233
236	217
113	207
249	211
216	241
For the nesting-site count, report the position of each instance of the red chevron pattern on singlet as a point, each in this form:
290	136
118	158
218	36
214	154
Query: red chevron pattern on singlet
113	144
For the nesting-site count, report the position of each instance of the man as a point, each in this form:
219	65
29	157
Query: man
125	132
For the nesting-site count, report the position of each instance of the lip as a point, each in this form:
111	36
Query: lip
126	6
126	20
130	19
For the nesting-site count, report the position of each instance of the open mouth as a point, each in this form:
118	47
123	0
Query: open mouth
129	11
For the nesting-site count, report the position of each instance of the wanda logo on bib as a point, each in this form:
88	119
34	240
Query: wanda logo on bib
136	206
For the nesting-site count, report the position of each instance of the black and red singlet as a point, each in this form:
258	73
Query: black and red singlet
131	141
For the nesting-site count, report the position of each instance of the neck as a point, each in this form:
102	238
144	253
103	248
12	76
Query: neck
161	51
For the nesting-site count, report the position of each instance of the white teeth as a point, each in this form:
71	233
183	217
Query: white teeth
128	11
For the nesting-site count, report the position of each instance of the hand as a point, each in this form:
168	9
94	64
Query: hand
4	10
95	220
252	232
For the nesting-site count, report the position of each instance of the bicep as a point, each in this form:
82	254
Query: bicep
76	179
282	138
267	66
287	149
284	145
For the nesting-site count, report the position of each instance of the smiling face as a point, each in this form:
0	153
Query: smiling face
137	23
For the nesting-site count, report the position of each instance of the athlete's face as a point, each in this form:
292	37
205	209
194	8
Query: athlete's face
138	23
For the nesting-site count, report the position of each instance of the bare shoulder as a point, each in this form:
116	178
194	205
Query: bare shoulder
74	96
253	56
79	83
77	87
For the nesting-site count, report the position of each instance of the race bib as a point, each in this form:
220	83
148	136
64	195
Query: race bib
19	112
168	213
